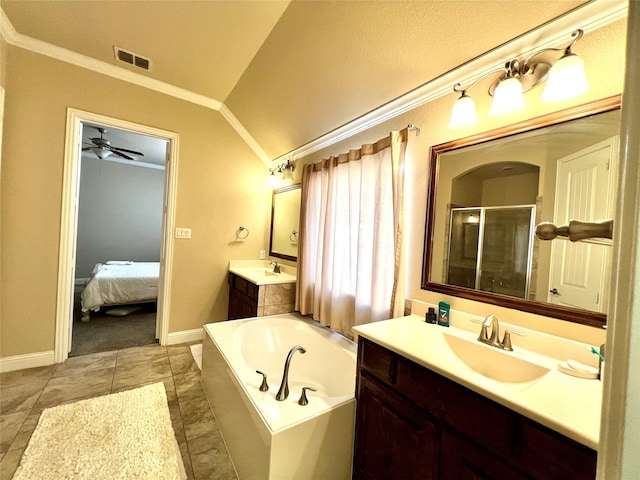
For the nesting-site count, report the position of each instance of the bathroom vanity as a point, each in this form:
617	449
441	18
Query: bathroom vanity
421	414
255	290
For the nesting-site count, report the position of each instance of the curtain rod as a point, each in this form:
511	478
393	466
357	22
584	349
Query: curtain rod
411	126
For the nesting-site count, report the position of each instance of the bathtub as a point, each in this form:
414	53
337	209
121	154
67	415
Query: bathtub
268	439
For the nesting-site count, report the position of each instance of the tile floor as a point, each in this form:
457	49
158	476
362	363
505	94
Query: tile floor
24	394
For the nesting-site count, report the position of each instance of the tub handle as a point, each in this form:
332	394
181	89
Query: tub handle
265	386
303	398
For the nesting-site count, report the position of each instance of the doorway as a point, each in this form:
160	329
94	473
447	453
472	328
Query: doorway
118	241
68	258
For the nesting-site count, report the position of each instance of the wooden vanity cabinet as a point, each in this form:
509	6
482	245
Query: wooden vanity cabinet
414	423
243	298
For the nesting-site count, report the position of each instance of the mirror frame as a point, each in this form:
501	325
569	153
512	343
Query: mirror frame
273	208
575	315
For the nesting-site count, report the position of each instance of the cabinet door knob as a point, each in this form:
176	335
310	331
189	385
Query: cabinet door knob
554	291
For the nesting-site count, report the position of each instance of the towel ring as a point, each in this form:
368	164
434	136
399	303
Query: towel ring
294	236
239	232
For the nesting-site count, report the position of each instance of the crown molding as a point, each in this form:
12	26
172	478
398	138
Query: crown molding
592	16
244	133
83	61
38	46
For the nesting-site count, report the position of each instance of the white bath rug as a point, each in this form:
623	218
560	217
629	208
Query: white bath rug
125	435
196	351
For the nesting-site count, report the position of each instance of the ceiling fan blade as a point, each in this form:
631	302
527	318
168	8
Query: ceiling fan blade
128	151
87	148
115	152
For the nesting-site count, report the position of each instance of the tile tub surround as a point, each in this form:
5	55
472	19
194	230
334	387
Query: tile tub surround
24	394
276	299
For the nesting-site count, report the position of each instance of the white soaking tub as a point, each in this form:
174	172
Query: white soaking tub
281	440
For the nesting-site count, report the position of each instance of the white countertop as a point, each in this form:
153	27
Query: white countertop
566	404
259	272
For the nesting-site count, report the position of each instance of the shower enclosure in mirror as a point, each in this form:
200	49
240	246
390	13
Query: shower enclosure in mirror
490	249
488	191
285	217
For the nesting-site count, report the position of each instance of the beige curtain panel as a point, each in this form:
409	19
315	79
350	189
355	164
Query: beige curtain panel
351	254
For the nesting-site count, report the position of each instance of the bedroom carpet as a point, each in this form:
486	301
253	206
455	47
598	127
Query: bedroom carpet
105	332
124	435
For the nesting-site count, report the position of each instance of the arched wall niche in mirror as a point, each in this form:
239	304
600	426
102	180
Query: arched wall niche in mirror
285	218
488	191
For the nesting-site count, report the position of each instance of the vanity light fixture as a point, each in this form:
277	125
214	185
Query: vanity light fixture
566	79
281	173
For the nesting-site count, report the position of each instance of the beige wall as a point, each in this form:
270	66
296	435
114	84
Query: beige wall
603	52
221	184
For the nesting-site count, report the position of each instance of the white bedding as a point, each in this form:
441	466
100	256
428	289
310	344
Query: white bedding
119	283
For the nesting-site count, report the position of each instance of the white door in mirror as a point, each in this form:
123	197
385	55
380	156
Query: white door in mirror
584	188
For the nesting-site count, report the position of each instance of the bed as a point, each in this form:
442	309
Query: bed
120	283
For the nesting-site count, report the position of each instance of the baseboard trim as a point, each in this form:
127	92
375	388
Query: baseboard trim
27	360
185	336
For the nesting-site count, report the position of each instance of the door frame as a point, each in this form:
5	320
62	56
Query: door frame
69	222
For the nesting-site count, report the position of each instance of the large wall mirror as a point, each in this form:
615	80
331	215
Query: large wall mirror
486	194
285	217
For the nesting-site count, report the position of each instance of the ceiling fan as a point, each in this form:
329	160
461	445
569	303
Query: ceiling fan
103	148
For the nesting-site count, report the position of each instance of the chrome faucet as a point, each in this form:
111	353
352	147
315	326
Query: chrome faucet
283	392
276	267
493	338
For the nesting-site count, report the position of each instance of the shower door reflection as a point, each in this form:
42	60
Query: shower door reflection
490	249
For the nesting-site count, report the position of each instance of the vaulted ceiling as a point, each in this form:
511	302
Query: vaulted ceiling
288	71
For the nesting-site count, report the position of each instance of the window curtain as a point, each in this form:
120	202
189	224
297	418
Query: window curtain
351	255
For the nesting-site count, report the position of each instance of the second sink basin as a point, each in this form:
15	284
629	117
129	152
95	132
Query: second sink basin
263	276
492	362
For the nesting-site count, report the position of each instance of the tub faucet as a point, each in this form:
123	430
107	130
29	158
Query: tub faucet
283	393
276	267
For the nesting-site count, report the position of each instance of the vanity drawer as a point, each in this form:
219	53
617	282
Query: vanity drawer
378	361
243	286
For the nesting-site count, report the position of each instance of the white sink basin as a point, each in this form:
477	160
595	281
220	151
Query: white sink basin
263	276
492	362
262	272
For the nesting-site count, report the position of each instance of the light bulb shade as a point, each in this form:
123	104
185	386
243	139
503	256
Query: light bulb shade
507	97
463	114
101	153
566	79
273	181
287	174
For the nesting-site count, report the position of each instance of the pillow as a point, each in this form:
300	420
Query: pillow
123	311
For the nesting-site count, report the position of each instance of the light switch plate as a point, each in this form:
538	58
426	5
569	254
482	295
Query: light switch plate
183	233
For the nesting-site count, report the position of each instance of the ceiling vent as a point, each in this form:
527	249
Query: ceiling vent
132	58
